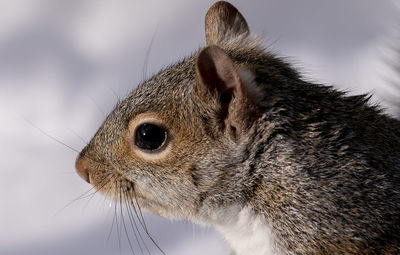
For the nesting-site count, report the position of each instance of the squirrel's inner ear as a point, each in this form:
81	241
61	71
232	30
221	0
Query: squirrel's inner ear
217	72
224	23
218	78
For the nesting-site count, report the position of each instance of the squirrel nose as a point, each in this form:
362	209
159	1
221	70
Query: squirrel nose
82	168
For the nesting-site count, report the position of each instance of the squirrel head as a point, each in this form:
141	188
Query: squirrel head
176	142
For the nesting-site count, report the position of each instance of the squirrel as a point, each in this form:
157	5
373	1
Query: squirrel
233	137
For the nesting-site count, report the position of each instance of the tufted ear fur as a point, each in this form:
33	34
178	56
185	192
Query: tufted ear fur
218	77
224	23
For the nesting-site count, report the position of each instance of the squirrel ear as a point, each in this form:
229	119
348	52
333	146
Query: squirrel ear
218	76
223	23
216	71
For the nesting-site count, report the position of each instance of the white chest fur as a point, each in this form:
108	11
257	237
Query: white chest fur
245	232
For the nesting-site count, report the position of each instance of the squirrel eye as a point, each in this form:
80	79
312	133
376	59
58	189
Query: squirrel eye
150	137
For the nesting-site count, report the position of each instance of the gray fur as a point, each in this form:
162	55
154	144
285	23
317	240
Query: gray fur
321	168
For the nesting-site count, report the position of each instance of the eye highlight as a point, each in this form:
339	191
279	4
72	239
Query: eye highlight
150	137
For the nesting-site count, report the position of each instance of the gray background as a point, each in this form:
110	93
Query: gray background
64	63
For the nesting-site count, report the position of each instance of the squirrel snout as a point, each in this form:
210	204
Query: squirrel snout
82	168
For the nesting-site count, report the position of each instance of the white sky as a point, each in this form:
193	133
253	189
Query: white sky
60	62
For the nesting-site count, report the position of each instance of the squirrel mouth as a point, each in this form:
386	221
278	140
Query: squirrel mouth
103	177
111	183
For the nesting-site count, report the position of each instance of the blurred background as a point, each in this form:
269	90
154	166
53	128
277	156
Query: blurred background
64	64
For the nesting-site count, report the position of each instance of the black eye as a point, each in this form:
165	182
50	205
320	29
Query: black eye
150	137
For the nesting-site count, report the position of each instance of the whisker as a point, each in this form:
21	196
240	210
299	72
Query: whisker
123	221
118	227
147	57
86	194
140	213
144	225
97	106
74	200
141	221
104	181
115	94
102	185
59	141
106	197
133	223
50	136
77	135
112	226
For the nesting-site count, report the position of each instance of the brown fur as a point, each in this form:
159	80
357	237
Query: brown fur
322	169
